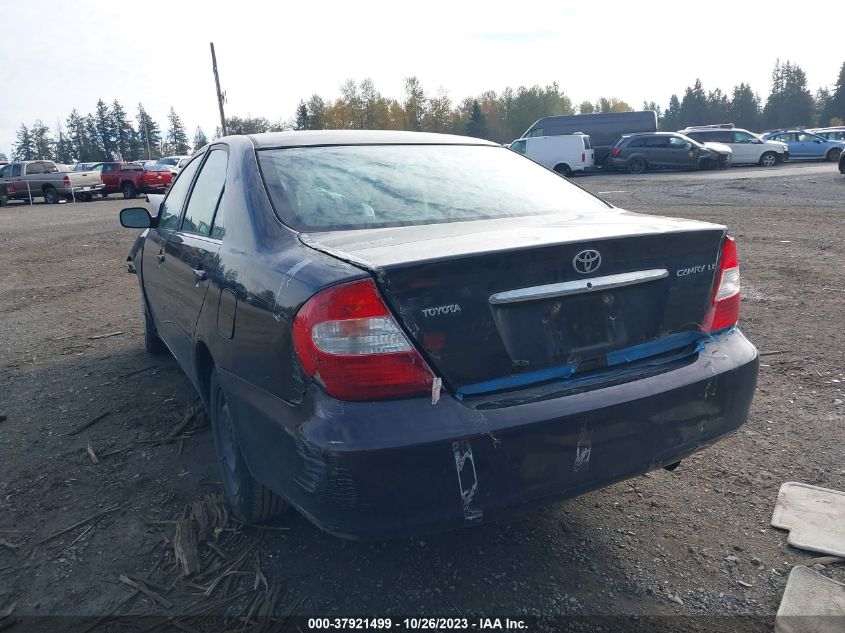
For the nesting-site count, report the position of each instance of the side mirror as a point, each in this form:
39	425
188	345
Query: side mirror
758	141
135	218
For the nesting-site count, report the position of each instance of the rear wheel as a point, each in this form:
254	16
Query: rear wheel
636	166
128	190
834	154
563	169
51	196
250	501
84	197
768	159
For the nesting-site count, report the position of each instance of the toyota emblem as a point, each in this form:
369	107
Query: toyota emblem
586	261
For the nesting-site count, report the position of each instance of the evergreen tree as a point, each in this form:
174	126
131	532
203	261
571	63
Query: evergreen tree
3	156
477	124
744	109
77	136
302	122
149	135
95	151
126	141
718	107
834	108
42	141
694	106
64	149
672	115
24	147
200	140
586	107
105	130
790	103
177	140
316	113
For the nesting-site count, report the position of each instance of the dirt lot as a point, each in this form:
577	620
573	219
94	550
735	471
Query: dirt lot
658	544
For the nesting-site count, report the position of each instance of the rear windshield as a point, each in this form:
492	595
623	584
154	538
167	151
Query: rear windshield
371	186
132	167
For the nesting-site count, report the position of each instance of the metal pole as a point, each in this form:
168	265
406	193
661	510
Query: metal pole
219	94
28	190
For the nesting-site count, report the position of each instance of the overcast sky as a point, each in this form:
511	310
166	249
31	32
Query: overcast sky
59	55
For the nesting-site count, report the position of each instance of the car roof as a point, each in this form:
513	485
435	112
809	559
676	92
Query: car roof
653	134
310	138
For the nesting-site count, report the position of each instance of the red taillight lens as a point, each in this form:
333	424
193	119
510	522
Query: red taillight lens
347	340
66	180
615	151
724	306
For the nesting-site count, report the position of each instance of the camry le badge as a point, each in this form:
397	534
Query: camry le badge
586	261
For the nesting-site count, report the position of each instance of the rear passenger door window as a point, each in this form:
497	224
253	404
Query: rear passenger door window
206	194
171	209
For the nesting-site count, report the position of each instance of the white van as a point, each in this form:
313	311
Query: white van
563	153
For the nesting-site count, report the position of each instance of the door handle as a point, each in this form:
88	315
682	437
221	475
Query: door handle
200	274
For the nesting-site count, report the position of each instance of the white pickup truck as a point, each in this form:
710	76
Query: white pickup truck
31	179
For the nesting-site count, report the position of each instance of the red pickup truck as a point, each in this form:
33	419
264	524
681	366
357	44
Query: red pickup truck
130	179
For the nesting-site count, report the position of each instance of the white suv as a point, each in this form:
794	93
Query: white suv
748	148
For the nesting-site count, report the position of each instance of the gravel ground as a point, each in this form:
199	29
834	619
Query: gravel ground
694	543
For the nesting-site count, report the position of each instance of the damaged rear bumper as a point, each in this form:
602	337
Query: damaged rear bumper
380	469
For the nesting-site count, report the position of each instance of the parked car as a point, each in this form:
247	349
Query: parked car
637	153
44	179
806	145
830	133
603	128
174	163
564	153
747	148
130	179
398	332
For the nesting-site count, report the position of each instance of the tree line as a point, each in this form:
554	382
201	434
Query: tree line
104	135
499	116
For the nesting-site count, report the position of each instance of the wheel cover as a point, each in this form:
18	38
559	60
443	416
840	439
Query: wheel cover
229	453
769	160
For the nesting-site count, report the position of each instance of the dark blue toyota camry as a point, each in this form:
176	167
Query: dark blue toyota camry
398	332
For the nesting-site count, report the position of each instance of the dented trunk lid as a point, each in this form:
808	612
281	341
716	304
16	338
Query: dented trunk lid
496	304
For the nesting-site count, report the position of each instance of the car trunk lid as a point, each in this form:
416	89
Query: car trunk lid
496	304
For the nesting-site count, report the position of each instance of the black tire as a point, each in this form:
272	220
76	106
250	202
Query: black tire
834	154
128	190
768	159
842	165
705	165
250	501
51	196
636	165
84	197
152	343
564	170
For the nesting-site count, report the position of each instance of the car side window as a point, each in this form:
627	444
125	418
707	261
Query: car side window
538	132
206	194
678	143
519	146
656	141
5	171
807	138
110	168
171	209
34	168
742	137
16	170
638	142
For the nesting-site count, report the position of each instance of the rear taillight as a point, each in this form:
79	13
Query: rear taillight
66	181
724	305
615	151
583	157
347	340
